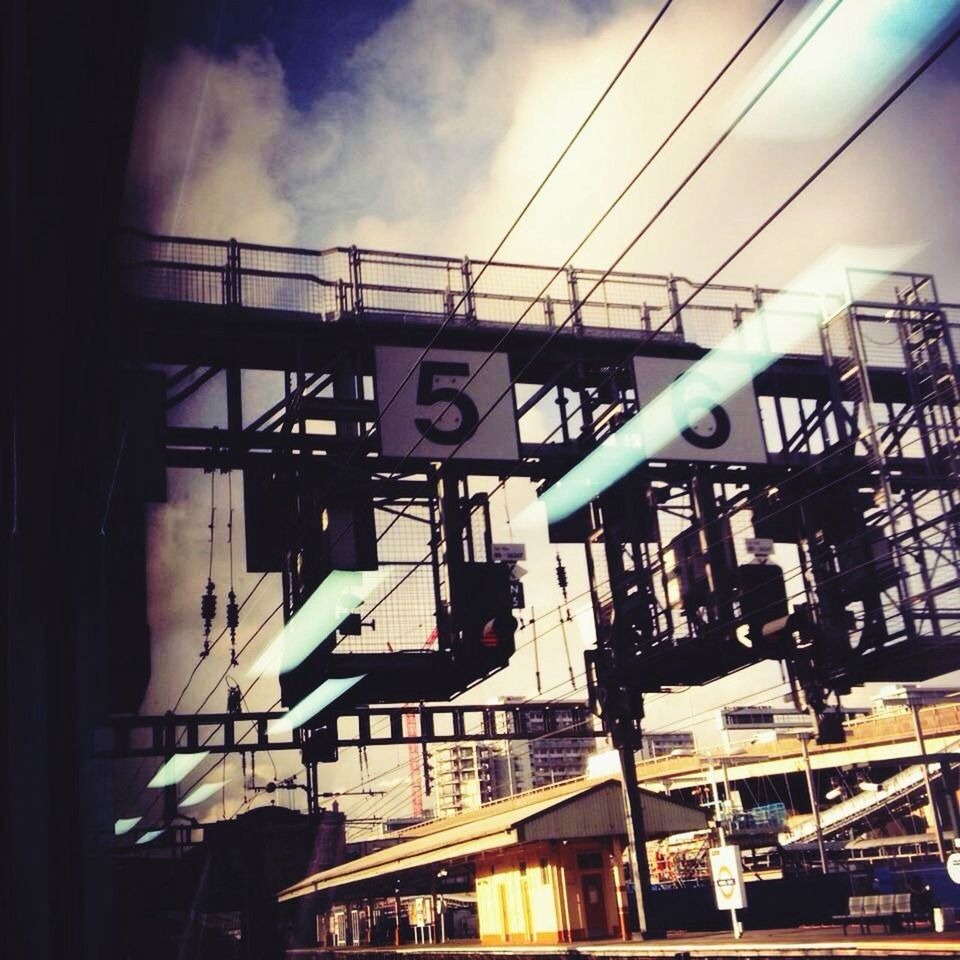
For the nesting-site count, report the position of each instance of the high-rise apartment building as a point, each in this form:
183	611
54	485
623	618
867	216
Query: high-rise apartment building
469	774
540	761
464	777
664	743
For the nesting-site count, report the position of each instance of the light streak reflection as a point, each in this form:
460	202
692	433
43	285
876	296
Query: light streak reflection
176	768
326	608
328	692
731	366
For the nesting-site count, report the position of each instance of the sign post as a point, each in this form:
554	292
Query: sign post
728	885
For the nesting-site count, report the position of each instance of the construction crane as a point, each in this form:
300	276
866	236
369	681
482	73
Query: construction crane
416	752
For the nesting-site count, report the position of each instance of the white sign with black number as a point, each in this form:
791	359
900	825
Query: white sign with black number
440	412
953	867
724	430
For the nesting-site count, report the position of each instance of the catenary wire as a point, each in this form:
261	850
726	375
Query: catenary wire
787	573
911	78
358	446
555	332
503	240
792	571
690	175
940	50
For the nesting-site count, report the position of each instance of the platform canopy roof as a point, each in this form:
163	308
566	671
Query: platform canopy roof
575	809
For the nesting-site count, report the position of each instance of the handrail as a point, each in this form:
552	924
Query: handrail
353	281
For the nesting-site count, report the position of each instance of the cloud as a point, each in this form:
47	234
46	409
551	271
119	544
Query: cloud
434	92
450	114
206	143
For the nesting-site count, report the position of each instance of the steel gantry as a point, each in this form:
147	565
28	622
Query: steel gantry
359	391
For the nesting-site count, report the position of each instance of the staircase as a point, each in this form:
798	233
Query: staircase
849	811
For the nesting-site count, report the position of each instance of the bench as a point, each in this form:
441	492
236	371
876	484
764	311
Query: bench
890	910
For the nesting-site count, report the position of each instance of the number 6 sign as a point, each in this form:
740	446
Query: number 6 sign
710	426
439	411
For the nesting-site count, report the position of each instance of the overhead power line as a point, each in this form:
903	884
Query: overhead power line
623	193
764	225
596	226
555	332
366	434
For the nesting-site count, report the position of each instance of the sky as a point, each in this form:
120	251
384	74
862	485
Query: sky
423	126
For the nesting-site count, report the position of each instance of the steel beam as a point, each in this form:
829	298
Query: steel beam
220	733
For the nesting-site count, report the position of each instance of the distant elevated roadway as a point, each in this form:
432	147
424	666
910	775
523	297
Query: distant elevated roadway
882	737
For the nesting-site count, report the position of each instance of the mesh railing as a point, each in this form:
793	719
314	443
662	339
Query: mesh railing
881	286
400	614
330	283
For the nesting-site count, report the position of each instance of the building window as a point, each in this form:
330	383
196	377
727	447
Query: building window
589	861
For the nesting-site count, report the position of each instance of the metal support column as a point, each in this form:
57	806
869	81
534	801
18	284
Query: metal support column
814	801
637	838
949	780
934	810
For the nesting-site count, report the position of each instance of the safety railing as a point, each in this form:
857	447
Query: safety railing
347	281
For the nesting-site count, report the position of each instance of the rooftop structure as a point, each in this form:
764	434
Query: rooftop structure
666	743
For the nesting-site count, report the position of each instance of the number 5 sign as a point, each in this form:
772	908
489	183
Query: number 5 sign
440	412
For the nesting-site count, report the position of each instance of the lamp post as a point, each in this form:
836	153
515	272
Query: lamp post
439	905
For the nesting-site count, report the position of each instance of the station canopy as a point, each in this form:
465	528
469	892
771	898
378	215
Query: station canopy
573	810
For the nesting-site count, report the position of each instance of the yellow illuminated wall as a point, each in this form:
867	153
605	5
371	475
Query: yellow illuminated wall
539	893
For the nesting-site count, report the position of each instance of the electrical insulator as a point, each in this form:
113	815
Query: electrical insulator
233	621
208	611
562	576
233	612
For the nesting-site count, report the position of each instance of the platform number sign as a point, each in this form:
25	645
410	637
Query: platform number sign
452	404
710	426
727	875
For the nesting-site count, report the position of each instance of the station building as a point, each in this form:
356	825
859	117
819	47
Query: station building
544	867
